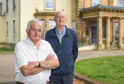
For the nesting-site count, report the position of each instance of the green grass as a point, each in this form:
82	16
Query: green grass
6	50
105	69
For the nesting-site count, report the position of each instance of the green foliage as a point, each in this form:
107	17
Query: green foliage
104	69
5	50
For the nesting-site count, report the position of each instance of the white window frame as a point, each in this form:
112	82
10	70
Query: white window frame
14	4
50	4
52	24
121	3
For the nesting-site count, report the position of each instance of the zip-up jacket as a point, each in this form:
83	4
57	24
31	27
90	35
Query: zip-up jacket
67	51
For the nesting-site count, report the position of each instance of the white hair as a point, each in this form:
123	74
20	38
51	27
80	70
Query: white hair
31	22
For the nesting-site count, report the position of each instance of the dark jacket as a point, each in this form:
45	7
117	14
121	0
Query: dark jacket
67	51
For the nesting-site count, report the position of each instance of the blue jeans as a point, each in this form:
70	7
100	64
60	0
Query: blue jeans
58	79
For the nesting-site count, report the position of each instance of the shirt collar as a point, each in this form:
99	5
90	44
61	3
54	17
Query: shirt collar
31	43
62	33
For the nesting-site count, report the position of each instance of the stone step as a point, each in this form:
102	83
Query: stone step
75	81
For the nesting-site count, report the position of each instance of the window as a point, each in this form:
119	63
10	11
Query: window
6	29
121	3
104	30
52	24
7	6
14	4
14	29
74	25
43	27
42	22
116	26
95	2
0	9
123	31
94	32
87	30
50	4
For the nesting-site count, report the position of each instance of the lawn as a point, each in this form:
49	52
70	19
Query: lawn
6	50
105	69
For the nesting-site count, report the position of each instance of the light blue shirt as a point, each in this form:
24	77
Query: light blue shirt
60	35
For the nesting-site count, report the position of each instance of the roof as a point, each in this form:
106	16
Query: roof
102	7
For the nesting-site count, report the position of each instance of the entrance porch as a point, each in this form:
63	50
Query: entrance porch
103	26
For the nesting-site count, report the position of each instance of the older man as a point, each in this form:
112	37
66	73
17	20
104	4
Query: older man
34	57
64	42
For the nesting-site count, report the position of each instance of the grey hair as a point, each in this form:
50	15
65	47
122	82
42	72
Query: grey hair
31	22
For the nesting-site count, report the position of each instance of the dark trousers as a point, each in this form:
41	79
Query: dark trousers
58	79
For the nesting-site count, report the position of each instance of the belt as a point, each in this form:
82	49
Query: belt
19	83
23	83
61	75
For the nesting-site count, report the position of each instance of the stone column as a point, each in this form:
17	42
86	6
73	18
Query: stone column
46	24
90	32
120	33
84	31
80	31
99	33
108	34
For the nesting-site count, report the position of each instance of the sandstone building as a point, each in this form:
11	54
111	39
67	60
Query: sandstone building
99	22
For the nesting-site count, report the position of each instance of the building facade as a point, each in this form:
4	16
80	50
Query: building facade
14	15
100	22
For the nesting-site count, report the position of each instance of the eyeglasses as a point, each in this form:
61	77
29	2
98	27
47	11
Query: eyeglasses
34	30
58	17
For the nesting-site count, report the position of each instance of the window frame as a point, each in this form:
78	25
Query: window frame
122	3
51	21
7	23
7	6
52	7
14	4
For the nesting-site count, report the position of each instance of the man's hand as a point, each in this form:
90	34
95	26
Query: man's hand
34	63
50	57
50	62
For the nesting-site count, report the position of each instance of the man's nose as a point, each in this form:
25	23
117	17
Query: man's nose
36	32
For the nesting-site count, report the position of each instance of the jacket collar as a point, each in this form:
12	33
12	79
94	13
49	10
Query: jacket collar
67	33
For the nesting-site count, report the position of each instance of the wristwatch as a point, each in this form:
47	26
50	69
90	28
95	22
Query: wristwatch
38	64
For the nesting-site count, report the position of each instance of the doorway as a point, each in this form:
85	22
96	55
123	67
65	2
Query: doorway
94	34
